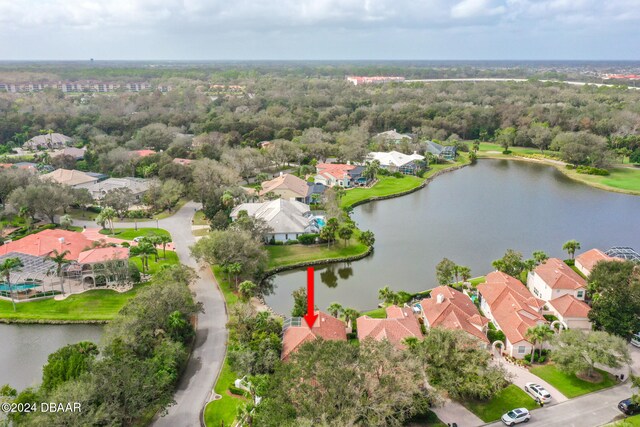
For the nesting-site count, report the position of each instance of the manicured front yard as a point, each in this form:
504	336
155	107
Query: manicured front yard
570	385
280	256
386	185
132	233
223	412
170	259
100	304
627	422
509	398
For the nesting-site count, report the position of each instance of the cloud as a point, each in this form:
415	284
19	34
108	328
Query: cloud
475	8
445	27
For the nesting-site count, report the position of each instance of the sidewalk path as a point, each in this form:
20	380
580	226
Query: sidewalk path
453	412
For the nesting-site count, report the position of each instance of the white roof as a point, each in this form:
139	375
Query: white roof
393	135
393	158
283	216
136	185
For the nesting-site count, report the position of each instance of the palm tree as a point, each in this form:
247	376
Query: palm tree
143	250
335	309
571	247
540	257
247	289
59	259
235	269
106	216
538	334
164	240
350	315
6	267
464	272
371	170
386	295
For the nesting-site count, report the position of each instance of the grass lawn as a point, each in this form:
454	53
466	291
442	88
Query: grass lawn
200	219
378	313
292	254
100	304
130	233
223	411
201	232
509	398
570	385
485	147
385	186
82	214
624	179
171	259
633	421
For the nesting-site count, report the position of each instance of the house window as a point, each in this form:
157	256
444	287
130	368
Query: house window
521	349
580	294
286	237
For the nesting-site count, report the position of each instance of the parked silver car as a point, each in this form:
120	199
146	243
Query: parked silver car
538	392
516	416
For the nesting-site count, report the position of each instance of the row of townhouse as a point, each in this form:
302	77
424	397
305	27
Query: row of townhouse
83	86
504	301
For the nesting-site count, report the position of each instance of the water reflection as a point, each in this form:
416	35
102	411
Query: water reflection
470	216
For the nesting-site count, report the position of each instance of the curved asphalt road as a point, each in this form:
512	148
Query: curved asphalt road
196	385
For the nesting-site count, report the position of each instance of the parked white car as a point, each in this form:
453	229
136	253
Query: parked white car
538	392
635	340
516	416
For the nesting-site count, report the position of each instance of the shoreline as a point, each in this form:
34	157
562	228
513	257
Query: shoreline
561	169
30	321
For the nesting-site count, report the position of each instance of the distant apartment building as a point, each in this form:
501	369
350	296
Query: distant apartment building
364	80
82	86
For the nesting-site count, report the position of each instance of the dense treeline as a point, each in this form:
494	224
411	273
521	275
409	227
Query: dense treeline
144	351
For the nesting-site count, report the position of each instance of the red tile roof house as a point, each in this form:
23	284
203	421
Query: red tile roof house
451	309
587	260
571	311
296	332
554	279
512	309
400	324
89	266
331	174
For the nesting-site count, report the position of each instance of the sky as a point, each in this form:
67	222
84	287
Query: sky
319	29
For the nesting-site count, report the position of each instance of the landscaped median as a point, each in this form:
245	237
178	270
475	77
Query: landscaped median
569	384
509	398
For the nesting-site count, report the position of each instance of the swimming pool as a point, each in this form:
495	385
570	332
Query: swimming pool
320	222
17	287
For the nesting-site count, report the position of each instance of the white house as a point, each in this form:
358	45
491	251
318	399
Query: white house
512	309
48	140
287	219
394	161
553	278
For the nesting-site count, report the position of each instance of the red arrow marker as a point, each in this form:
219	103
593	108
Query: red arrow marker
311	315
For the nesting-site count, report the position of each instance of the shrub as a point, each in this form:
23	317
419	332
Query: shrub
496	335
291	242
571	167
308	239
94	209
588	170
506	152
134	273
237	391
398	175
137	213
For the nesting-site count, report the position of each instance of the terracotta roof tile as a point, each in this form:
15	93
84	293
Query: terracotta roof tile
286	182
326	327
569	306
454	311
102	255
590	258
513	307
400	323
558	275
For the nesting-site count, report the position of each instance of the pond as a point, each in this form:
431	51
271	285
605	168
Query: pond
25	349
471	216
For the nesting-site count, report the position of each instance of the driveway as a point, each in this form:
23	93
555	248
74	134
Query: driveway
196	384
591	410
521	376
453	412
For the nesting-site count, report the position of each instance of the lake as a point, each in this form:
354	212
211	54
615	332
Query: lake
471	216
25	349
